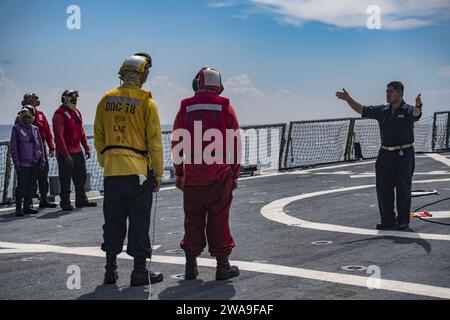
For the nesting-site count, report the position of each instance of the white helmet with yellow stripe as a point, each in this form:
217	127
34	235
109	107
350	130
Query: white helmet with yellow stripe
139	62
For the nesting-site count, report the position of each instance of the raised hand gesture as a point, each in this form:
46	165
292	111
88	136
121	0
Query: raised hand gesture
343	95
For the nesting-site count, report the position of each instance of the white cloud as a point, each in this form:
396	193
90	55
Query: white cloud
444	71
395	14
253	106
6	85
162	83
9	98
222	4
242	85
168	96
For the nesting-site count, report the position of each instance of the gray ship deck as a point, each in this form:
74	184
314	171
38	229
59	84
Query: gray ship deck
275	229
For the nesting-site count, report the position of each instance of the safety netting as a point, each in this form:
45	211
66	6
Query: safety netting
5	167
441	131
267	147
367	135
262	146
318	142
423	135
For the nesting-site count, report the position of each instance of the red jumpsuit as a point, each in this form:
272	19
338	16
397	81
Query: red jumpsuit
207	192
69	132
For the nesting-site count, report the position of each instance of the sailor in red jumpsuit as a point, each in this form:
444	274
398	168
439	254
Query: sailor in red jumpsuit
207	185
69	136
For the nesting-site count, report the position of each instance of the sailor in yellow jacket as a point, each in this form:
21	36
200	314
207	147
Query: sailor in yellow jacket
128	140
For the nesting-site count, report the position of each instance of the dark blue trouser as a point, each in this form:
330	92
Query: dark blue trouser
77	173
395	171
126	198
43	182
27	178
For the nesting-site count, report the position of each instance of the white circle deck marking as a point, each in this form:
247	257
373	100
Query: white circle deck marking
275	211
333	277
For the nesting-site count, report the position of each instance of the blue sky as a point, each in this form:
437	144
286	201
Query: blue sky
281	60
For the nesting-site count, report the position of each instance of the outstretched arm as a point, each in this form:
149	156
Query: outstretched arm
344	95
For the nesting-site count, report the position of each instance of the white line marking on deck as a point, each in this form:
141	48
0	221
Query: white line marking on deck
372	174
275	211
345	279
439	158
439	215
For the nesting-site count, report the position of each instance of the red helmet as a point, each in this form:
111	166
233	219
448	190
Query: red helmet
208	79
69	95
28	97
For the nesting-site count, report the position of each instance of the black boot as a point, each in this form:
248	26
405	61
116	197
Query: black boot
384	226
403	222
84	202
27	207
65	203
44	203
66	207
191	270
141	276
19	211
224	270
403	226
111	274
